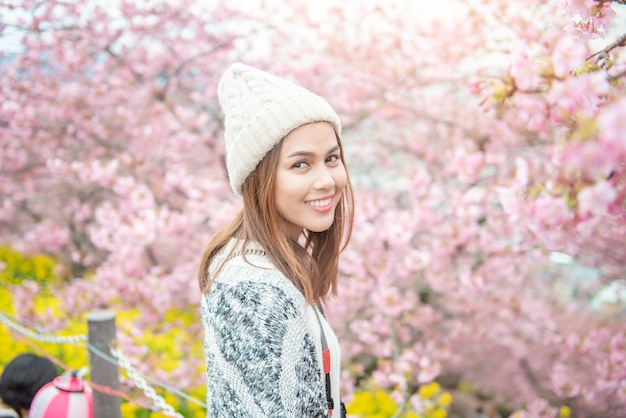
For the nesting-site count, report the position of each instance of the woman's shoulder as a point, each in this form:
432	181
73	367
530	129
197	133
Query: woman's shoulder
245	293
237	250
249	267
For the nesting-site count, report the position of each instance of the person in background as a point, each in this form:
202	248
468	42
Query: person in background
21	380
269	350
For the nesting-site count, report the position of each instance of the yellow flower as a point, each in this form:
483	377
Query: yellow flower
170	399
17	267
445	399
387	406
362	404
128	410
565	412
439	413
429	391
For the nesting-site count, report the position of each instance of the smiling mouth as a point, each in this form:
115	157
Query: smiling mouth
319	203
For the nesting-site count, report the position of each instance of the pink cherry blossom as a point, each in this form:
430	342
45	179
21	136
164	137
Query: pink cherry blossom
568	55
612	124
524	69
594	200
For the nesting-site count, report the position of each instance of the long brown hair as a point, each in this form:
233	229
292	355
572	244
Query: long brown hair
312	268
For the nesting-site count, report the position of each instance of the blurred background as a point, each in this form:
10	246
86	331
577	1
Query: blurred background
485	140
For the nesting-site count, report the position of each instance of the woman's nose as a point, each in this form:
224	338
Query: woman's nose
324	179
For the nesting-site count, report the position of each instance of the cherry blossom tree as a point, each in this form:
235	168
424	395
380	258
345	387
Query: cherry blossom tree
483	136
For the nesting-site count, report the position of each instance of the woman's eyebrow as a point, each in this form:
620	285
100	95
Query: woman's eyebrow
310	154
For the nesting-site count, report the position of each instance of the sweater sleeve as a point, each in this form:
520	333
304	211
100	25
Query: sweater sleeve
260	355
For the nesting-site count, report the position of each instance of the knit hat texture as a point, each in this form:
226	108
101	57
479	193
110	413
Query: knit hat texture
260	109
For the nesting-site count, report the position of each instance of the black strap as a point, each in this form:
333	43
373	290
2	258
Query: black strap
325	359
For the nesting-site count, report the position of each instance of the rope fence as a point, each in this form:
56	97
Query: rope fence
106	359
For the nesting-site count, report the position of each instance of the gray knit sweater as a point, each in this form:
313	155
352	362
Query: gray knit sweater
260	354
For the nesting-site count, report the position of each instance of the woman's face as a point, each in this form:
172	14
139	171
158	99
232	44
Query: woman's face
310	178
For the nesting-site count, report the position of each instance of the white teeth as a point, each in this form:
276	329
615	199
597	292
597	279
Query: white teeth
319	203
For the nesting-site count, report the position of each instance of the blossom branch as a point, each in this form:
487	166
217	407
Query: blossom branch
603	55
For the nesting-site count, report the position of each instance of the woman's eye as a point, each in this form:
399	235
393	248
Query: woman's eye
299	164
332	158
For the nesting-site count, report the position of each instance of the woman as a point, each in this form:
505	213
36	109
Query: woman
269	350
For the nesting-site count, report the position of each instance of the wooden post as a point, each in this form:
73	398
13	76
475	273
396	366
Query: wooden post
104	372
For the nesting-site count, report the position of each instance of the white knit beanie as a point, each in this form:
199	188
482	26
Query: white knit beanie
260	109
